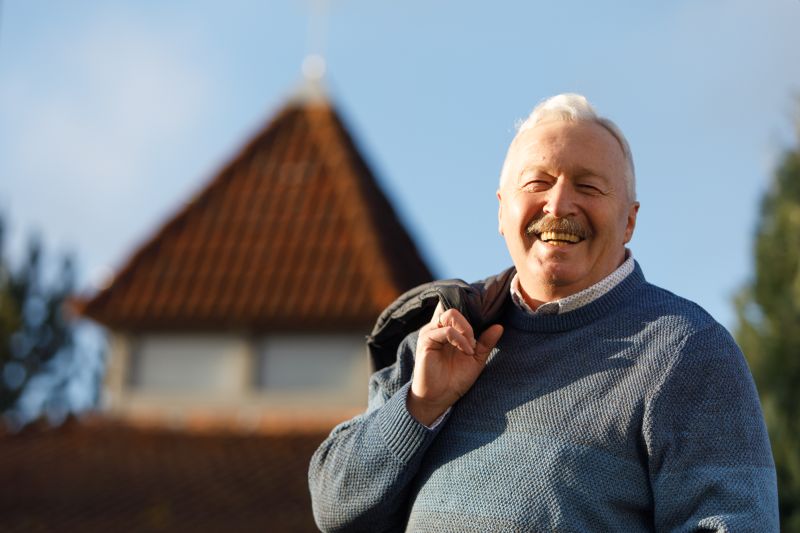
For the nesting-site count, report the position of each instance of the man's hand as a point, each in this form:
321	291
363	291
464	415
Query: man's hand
447	362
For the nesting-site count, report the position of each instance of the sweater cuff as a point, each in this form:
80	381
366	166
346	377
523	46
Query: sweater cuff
403	434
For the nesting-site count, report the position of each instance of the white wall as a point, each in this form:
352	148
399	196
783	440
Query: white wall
181	375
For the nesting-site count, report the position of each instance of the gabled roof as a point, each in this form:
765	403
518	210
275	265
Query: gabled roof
294	233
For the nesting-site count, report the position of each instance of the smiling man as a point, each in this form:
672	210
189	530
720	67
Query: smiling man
564	394
567	205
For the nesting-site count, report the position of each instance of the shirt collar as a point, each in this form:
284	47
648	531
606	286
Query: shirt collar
579	299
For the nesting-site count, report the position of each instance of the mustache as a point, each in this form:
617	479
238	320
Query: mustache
558	225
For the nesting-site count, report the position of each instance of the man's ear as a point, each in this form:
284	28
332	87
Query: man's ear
631	223
499	212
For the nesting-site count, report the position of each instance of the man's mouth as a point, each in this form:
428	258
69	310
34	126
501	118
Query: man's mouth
558	231
558	238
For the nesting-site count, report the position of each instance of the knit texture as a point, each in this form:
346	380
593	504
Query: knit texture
636	412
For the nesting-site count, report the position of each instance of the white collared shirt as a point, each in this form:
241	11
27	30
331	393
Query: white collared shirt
579	299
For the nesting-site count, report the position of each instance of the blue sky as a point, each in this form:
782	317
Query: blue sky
114	114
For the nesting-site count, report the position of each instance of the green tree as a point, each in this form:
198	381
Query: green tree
33	327
769	326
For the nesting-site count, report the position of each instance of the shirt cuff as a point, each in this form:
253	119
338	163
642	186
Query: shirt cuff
439	420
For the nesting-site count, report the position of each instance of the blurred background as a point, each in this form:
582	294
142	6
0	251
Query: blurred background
143	144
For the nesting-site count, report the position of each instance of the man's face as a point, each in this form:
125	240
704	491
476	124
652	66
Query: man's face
564	208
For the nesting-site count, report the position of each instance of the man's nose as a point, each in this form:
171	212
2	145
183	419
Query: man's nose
560	200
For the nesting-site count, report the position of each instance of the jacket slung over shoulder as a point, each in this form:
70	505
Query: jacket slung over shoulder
480	303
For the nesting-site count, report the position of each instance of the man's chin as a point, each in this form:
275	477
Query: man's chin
558	273
564	259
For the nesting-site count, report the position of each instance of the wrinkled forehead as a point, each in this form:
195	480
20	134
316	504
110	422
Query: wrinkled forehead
562	145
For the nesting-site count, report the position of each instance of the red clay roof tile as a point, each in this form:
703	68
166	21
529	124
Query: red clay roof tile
293	234
110	476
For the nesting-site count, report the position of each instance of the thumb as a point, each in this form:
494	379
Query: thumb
488	340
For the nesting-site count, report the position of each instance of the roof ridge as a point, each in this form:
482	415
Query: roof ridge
296	210
180	212
353	175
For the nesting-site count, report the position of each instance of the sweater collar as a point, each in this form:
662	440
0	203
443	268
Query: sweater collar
579	299
583	315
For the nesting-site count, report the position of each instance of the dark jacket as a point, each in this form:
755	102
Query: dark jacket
481	304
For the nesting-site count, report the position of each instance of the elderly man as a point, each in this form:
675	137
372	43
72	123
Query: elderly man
565	394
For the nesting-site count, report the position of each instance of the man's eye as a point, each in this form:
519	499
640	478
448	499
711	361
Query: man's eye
536	185
589	188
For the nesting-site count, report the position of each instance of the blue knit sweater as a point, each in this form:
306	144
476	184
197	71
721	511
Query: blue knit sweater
636	412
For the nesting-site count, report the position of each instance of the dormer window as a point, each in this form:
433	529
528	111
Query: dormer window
312	362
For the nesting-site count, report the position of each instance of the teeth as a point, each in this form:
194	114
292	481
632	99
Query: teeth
555	236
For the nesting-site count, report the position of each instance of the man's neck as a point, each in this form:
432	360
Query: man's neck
549	294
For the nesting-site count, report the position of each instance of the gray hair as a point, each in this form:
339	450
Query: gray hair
573	107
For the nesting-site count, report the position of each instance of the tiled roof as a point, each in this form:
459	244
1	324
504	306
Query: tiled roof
108	476
294	233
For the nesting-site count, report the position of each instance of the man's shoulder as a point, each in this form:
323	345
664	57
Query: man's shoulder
681	314
675	331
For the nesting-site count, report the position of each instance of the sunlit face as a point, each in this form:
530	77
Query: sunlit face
570	177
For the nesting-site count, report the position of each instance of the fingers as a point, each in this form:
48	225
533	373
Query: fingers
450	335
452	317
488	340
480	349
452	327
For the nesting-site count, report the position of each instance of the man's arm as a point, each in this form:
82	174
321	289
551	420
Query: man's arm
360	476
711	466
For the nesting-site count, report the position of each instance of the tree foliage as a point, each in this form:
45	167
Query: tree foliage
769	327
33	327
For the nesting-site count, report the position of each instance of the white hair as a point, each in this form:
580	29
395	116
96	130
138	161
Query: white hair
574	107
